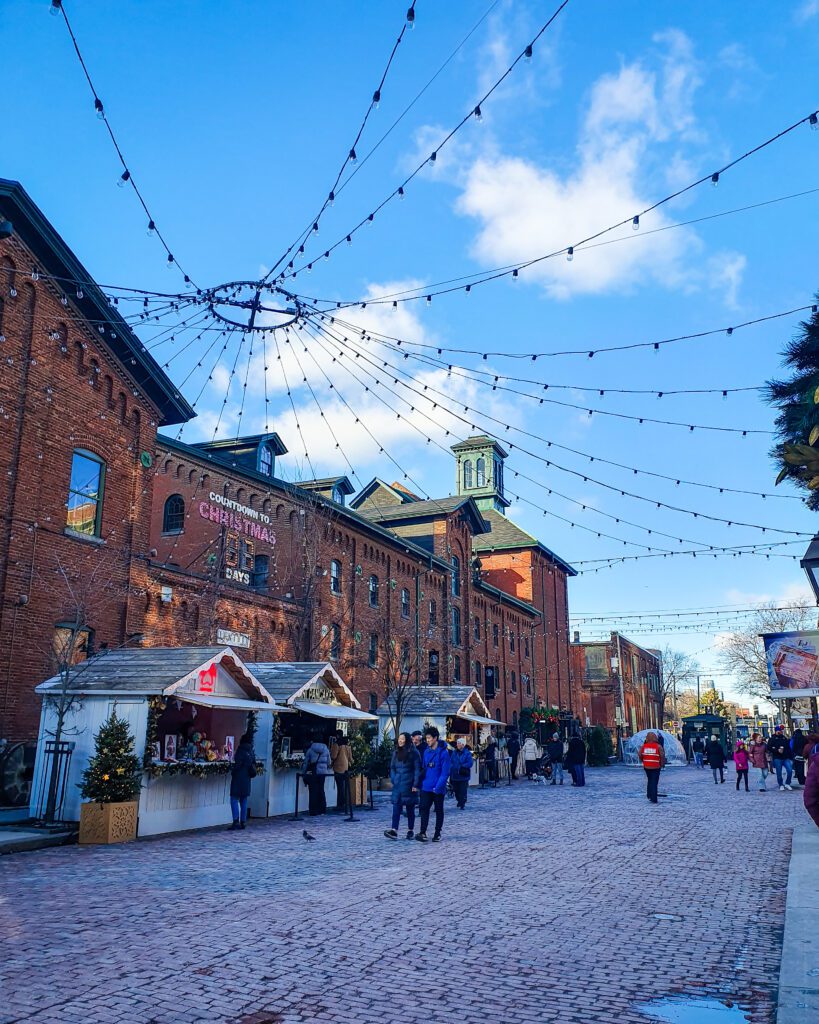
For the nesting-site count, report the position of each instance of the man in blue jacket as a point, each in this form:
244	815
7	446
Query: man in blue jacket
434	775
460	770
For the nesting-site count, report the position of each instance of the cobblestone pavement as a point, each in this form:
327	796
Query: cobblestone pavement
539	905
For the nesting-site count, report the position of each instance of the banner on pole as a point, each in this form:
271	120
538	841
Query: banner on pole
792	661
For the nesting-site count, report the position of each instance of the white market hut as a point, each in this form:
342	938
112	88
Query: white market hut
321	705
453	710
187	708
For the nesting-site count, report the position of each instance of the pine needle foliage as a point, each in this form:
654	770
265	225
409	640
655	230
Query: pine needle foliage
114	774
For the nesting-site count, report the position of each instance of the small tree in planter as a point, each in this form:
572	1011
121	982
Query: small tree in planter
111	784
599	745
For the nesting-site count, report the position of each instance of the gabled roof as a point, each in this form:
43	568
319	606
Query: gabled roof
243	444
398	494
504	535
435	700
428	508
151	670
57	260
285	680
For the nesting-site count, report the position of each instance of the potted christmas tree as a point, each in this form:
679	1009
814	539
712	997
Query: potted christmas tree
111	784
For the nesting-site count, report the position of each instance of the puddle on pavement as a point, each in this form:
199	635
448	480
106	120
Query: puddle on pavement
693	1011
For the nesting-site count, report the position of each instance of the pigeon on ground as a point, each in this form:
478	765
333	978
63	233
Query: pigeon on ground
307	836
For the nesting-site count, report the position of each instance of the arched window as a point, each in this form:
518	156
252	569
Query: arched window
373	591
514	682
265	460
514	719
335	577
335	641
478	674
433	613
477	630
372	654
456	668
456	627
480	472
85	493
405	603
468	474
456	576
173	516
373	702
511	641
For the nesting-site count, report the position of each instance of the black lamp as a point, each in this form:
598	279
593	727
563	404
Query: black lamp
810	563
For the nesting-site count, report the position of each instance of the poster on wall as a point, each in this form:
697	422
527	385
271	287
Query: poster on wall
792	660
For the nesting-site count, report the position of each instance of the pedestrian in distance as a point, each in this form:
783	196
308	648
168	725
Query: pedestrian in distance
418	743
531	755
554	749
405	776
652	758
698	750
341	758
315	770
810	797
460	770
758	753
490	760
741	763
513	751
798	741
434	777
715	756
241	772
576	760
779	749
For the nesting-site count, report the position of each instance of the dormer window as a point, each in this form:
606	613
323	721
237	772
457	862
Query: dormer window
468	475
480	471
265	460
338	495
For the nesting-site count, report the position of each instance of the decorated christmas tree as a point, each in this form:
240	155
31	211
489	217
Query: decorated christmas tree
114	773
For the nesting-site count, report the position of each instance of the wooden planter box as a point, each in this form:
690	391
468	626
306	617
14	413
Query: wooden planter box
358	788
108	823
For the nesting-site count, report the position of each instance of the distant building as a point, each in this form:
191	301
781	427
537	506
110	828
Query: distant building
617	683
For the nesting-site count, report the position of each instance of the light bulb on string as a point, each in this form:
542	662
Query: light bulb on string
331	199
376	99
813	120
635	223
99	108
570	253
123	179
715	179
80	293
170	261
35	274
349	239
353	157
151	228
411	17
527	54
478	113
56	6
315	227
64	300
429	300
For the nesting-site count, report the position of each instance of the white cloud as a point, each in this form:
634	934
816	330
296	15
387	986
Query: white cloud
793	593
633	116
806	11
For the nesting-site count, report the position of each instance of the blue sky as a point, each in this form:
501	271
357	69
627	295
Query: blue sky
235	117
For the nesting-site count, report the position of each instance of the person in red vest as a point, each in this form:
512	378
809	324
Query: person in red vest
652	757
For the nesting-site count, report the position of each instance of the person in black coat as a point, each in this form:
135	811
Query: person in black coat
798	741
405	776
243	770
490	760
576	760
715	756
513	750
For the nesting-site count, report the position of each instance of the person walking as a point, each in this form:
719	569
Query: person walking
405	776
513	751
241	772
698	750
758	753
434	776
418	743
810	796
460	770
798	741
741	763
652	758
715	756
780	750
554	748
531	755
315	770
576	760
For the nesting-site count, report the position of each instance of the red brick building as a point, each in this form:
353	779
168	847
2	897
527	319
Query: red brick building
114	534
618	684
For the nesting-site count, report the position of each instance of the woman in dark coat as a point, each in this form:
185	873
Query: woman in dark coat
405	776
513	750
798	741
715	756
243	770
576	760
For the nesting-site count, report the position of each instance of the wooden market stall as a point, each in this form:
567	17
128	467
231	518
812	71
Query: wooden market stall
321	705
187	709
453	710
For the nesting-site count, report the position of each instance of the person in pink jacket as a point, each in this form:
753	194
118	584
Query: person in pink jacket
741	763
758	752
810	796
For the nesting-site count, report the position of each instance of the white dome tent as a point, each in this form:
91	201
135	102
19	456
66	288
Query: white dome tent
674	753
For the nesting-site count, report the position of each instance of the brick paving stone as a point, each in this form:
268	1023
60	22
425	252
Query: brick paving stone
538	905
